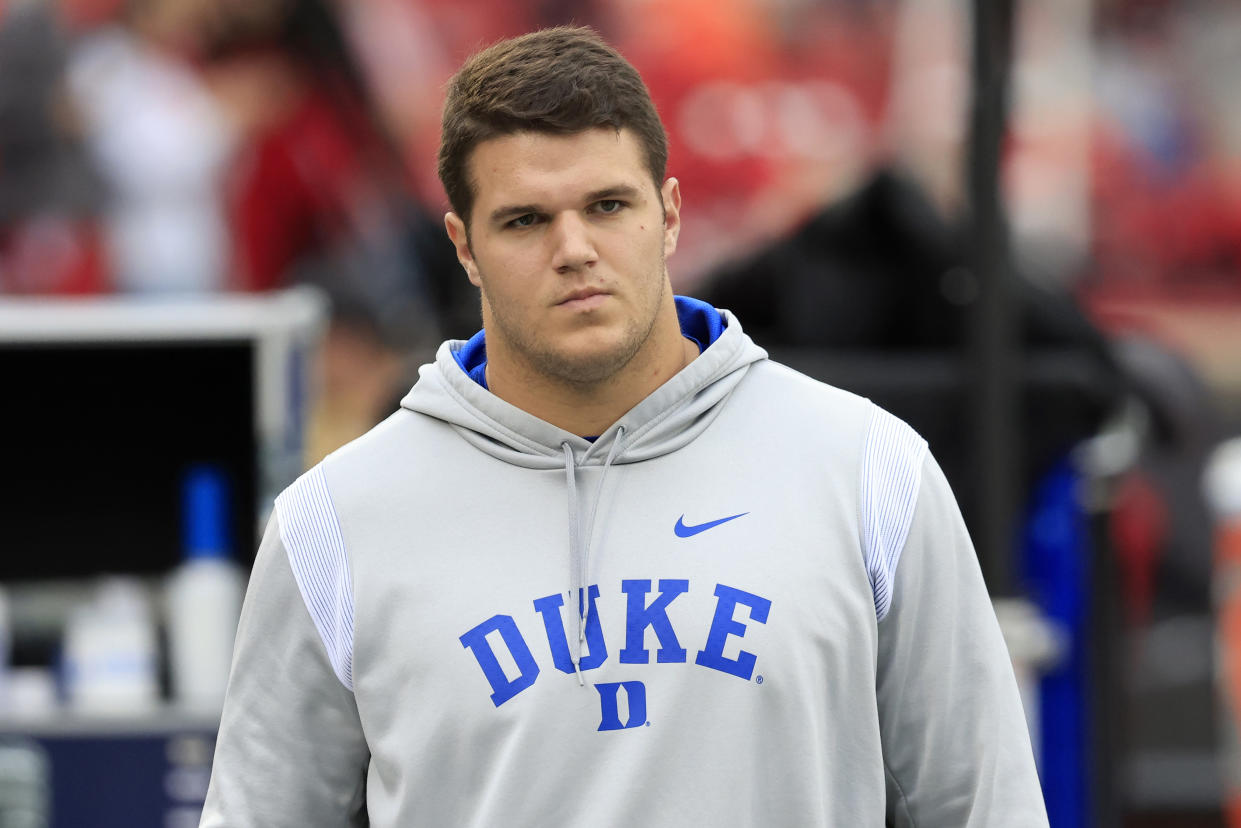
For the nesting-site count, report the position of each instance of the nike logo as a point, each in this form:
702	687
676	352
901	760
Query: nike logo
683	531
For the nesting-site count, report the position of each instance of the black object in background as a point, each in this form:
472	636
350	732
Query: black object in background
97	438
874	294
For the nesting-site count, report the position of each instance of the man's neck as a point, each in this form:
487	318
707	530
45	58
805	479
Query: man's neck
589	410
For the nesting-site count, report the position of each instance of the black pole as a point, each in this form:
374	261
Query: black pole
995	360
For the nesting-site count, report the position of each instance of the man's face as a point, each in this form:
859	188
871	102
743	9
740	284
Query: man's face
567	240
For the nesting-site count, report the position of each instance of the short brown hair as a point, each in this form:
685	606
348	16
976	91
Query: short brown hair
561	80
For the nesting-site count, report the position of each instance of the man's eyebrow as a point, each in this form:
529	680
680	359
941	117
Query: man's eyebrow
616	191
502	213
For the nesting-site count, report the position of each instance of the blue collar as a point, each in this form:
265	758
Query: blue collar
700	323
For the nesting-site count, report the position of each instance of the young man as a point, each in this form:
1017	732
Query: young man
609	565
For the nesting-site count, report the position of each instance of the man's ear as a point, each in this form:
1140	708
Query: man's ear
671	195
460	240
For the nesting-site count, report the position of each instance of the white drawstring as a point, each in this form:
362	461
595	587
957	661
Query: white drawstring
579	551
575	562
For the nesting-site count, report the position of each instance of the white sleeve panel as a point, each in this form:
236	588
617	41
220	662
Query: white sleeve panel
311	535
891	474
956	747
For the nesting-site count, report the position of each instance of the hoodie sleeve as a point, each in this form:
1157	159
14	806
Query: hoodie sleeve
955	740
290	750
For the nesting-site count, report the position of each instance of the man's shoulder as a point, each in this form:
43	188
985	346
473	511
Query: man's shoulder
791	390
363	467
814	412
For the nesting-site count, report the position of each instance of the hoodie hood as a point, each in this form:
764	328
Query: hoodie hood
667	419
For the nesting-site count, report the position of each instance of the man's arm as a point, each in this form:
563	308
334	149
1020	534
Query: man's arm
290	751
955	740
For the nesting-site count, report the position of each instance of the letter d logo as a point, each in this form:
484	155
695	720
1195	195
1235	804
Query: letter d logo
635	693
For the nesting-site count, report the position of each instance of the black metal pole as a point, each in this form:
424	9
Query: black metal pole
993	339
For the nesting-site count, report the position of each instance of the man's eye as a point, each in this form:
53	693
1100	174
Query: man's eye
609	205
524	221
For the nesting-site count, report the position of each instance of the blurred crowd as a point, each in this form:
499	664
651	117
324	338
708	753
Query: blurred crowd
172	146
153	146
194	145
1166	175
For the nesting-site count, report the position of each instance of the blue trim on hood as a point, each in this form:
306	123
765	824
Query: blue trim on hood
472	357
700	323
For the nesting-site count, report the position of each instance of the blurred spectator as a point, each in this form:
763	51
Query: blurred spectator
771	114
409	48
161	144
49	197
318	194
1166	177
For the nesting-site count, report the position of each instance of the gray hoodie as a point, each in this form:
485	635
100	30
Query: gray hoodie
751	601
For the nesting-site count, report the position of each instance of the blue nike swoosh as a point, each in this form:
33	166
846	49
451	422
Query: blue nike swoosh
684	531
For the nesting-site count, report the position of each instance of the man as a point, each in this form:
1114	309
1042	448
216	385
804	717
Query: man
769	612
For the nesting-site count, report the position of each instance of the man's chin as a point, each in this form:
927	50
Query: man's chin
587	366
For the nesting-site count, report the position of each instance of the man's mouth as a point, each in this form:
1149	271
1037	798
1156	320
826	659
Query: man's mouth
583	299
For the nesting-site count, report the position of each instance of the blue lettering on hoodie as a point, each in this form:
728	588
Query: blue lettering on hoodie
502	688
640	615
558	640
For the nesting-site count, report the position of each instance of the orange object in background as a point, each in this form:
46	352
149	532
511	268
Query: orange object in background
1228	580
1228	562
1223	488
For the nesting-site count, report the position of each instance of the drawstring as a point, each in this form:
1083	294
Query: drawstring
575	563
579	551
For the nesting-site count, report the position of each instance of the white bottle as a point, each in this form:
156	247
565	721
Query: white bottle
203	597
110	652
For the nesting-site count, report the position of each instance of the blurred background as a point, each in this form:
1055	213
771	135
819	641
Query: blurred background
1015	224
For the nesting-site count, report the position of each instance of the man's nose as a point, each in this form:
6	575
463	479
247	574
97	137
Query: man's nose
574	248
